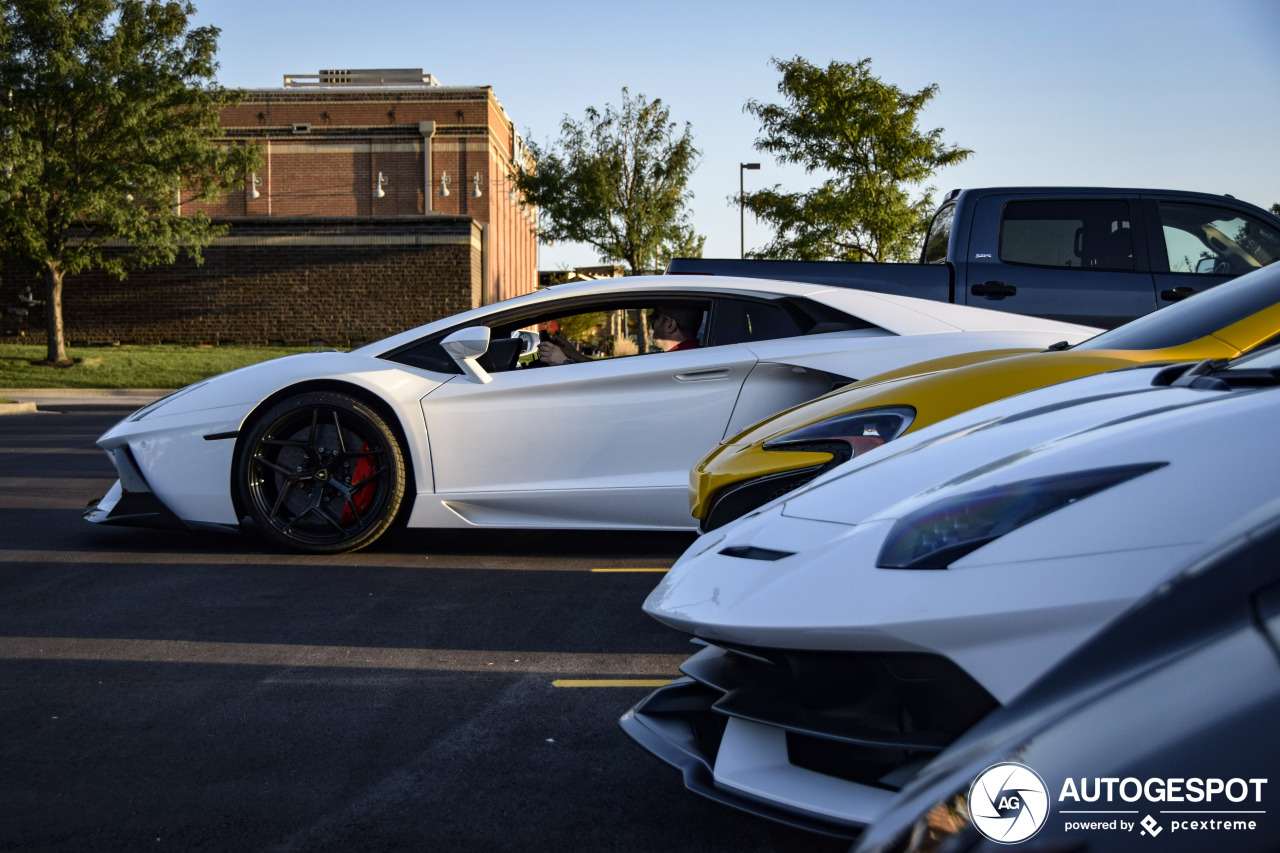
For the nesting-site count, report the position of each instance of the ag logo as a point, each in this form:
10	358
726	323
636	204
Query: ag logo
1008	802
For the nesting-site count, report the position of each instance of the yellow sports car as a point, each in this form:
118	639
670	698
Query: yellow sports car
786	451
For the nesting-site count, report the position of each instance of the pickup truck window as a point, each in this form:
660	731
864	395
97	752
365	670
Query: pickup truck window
1207	240
935	243
1090	234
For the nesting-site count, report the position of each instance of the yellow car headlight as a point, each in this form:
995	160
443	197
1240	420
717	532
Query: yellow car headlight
817	447
845	436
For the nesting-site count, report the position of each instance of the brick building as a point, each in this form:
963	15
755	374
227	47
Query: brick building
383	201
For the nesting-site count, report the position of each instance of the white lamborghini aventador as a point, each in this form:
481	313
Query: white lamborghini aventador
450	425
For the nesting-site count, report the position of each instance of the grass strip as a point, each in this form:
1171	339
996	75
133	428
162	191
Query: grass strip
160	366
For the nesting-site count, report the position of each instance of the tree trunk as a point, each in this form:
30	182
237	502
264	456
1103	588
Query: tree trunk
644	335
57	341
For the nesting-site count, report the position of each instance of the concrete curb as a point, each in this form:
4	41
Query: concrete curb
37	393
28	400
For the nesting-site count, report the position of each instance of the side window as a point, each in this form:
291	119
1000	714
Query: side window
585	332
1206	240
935	243
604	333
742	321
1089	234
617	330
596	334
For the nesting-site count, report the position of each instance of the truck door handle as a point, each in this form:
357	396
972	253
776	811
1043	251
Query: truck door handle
702	375
993	289
1176	294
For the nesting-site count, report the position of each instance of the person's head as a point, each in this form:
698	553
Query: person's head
675	323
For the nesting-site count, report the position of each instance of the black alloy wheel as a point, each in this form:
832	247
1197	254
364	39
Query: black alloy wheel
321	472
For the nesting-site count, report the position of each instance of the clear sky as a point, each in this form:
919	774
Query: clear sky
1149	93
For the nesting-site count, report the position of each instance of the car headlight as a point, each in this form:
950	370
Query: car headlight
943	532
845	436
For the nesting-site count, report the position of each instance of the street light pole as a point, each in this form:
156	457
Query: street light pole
742	221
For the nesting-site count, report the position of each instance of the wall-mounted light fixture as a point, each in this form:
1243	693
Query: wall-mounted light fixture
378	191
475	191
254	183
444	183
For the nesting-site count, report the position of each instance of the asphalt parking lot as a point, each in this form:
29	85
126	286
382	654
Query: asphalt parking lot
178	691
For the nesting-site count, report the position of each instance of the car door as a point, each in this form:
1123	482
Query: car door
605	443
1077	259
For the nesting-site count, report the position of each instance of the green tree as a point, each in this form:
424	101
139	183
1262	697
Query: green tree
108	111
1275	208
861	133
618	181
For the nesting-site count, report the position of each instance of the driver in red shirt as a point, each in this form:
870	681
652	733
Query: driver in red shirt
675	327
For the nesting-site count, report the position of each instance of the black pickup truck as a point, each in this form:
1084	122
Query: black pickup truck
1086	255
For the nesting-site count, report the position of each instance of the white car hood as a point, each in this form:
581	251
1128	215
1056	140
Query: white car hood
802	574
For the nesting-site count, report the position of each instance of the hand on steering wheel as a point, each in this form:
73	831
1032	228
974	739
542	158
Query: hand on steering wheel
551	353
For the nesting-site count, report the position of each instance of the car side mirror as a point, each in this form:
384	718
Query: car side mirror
464	347
1206	266
530	341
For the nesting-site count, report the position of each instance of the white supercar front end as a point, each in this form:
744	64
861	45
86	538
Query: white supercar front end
856	628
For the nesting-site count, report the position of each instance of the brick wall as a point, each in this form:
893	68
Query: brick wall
323	150
318	255
334	281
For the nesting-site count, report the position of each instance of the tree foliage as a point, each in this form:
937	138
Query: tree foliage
618	181
844	122
108	110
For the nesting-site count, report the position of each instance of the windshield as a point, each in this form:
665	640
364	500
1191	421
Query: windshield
1267	359
1196	317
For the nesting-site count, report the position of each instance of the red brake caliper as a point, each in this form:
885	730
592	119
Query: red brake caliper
364	496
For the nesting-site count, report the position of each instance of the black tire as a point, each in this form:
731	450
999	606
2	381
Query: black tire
321	472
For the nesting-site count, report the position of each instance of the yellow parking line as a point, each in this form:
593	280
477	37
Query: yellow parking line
610	682
604	571
542	664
